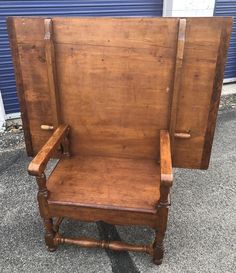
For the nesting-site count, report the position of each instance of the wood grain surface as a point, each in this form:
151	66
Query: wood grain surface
111	183
140	95
115	83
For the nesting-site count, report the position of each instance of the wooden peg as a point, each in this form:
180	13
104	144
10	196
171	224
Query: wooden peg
46	127
182	135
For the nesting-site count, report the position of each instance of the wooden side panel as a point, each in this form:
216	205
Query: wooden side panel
115	80
203	41
115	217
36	91
20	86
216	92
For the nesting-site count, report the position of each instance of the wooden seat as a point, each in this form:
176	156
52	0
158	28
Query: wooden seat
112	183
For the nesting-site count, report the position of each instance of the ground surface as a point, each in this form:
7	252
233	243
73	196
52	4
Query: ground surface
201	229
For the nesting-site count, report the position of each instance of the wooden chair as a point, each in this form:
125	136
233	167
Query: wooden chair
120	101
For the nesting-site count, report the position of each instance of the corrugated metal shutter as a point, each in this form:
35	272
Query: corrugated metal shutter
59	8
228	8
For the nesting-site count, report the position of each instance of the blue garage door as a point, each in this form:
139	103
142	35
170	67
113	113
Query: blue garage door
59	8
228	8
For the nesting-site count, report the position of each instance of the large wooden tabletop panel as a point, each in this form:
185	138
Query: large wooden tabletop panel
115	79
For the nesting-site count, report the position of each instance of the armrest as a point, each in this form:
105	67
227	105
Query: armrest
165	167
165	159
38	164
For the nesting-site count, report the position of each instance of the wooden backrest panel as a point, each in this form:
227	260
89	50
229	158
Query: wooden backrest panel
115	79
115	101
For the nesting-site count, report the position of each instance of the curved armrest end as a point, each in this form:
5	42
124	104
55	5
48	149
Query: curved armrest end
167	179
39	163
35	169
165	159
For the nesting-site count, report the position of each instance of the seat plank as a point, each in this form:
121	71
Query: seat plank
112	183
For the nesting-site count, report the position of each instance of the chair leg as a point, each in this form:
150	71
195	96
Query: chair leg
158	248
49	234
44	212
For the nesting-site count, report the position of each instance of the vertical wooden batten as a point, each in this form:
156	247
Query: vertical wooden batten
51	72
177	80
20	85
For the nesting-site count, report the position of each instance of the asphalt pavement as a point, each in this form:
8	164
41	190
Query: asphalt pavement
201	234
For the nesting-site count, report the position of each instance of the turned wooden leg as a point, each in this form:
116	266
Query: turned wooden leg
49	234
158	248
44	212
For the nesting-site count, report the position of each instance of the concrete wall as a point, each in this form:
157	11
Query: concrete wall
185	8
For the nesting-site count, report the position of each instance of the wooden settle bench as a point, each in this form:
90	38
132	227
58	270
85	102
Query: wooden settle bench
120	102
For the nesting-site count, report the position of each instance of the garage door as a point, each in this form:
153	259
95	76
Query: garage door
228	8
60	8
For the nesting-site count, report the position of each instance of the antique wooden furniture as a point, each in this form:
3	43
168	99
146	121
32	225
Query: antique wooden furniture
120	101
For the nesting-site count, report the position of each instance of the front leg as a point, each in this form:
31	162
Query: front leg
158	246
44	212
49	234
